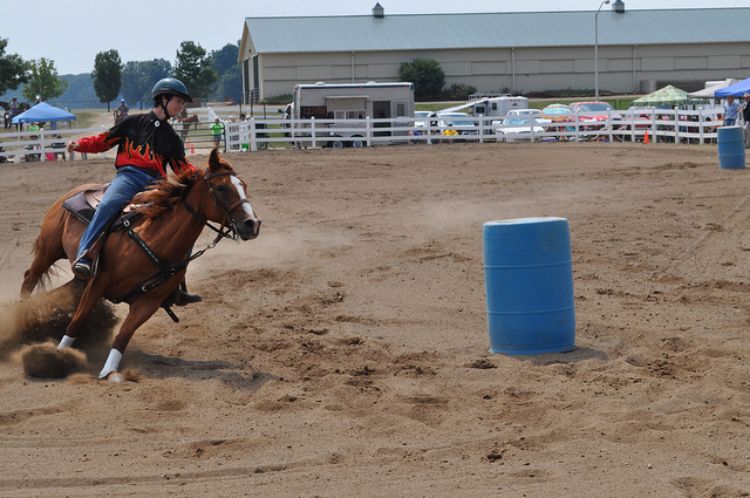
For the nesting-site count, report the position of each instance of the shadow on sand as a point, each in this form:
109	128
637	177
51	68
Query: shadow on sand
161	367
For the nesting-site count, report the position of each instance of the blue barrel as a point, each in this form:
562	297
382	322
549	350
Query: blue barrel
731	147
528	277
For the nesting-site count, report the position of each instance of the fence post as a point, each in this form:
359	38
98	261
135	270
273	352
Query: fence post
578	127
368	131
253	132
700	126
532	121
312	131
43	155
610	133
676	126
653	126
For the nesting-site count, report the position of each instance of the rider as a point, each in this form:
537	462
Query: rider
121	112
146	145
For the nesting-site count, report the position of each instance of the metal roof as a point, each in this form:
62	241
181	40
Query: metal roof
491	30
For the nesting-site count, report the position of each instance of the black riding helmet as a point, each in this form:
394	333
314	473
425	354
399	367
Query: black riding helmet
171	86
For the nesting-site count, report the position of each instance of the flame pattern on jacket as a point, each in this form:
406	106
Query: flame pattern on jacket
142	141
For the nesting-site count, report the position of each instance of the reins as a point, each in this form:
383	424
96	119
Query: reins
166	271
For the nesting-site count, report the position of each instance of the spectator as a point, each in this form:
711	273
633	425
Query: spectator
217	130
731	109
746	118
13	107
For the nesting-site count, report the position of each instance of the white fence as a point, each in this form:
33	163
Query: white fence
39	145
675	126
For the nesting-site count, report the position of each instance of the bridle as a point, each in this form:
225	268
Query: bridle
233	232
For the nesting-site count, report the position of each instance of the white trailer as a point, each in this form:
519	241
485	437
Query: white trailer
348	104
491	106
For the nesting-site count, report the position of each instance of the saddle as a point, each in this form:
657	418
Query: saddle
83	205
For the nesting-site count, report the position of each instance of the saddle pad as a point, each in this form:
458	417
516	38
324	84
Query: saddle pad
83	205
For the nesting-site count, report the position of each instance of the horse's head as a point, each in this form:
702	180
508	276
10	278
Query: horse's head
228	203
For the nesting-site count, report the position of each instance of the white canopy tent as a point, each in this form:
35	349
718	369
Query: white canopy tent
711	87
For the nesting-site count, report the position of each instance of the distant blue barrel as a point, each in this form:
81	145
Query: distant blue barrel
528	277
731	147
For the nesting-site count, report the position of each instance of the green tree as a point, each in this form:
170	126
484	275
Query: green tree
224	62
427	76
107	76
193	68
43	81
13	69
138	78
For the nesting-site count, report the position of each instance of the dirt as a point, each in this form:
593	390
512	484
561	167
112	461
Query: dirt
345	351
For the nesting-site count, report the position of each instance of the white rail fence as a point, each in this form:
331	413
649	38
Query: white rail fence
677	126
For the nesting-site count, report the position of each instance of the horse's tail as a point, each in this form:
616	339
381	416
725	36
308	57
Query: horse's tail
48	248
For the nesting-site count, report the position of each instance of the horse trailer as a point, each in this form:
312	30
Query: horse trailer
345	107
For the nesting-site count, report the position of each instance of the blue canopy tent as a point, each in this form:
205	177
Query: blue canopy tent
736	90
42	113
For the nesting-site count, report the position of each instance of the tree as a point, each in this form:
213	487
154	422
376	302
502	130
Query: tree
224	62
193	68
427	76
139	77
107	76
43	81
13	69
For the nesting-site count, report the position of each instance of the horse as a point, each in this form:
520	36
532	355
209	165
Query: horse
170	216
186	123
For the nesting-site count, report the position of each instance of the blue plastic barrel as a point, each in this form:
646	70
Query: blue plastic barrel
529	282
731	147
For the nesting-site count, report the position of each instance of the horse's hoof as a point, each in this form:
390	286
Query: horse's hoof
116	378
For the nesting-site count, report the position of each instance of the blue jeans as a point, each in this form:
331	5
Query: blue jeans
128	181
730	121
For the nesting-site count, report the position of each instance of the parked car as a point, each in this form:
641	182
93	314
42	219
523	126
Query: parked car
557	112
518	128
594	114
528	113
457	125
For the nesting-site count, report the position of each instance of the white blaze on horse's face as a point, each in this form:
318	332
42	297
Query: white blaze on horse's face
246	206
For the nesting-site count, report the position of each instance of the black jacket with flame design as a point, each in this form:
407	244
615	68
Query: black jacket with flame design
142	141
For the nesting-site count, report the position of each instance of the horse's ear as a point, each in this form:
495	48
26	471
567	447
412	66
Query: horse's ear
213	160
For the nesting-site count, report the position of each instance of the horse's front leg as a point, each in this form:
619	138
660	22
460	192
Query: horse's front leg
140	311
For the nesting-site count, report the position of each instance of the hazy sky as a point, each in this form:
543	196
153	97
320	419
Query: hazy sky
73	31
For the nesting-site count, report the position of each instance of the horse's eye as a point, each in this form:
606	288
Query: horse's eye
221	189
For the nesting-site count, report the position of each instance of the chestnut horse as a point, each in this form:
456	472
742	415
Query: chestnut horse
173	216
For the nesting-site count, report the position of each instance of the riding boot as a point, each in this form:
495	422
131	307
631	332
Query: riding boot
181	297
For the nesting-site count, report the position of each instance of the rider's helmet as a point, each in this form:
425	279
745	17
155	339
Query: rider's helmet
171	86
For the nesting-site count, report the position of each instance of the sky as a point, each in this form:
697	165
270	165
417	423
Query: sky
72	32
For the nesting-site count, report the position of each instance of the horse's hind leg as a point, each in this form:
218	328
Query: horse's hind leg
90	296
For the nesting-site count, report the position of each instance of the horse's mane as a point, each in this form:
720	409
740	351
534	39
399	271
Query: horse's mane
166	193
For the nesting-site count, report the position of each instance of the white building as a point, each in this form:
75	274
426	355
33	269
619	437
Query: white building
639	50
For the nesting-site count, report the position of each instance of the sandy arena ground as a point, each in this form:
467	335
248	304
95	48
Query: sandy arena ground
344	352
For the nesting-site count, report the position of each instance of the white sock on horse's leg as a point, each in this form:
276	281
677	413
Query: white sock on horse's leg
113	361
66	342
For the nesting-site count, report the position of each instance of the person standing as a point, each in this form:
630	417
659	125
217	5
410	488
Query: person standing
217	130
731	109
146	146
746	118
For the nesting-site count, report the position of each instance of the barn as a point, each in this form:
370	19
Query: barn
638	50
